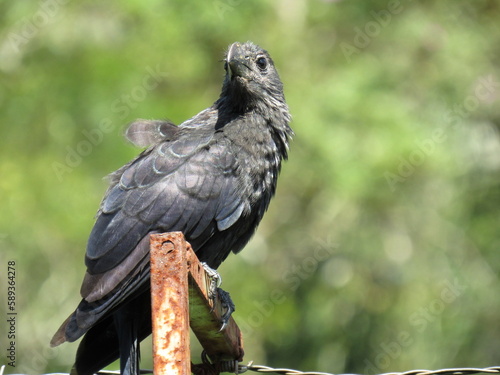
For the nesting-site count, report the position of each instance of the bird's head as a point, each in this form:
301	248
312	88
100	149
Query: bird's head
251	78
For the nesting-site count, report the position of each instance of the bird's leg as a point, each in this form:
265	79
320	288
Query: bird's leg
214	291
215	281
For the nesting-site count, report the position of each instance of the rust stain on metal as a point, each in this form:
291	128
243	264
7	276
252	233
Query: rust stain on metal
176	278
170	309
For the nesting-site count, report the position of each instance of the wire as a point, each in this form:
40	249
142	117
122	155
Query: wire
286	371
448	371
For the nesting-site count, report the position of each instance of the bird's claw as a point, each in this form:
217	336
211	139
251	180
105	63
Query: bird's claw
214	291
228	305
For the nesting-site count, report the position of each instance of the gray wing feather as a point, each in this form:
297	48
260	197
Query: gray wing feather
144	133
189	185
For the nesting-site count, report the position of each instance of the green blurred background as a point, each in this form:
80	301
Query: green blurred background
380	251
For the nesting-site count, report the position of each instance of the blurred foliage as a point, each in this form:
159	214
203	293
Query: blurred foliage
380	251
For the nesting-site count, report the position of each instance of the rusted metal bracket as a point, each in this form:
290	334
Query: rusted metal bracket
179	299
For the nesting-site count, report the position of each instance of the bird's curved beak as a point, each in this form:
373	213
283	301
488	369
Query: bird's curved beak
237	62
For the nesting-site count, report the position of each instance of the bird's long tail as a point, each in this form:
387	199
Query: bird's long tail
117	336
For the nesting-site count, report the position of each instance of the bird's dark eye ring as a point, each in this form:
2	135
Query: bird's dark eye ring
261	63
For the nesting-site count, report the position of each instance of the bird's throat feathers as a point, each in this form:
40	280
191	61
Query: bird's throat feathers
237	101
271	112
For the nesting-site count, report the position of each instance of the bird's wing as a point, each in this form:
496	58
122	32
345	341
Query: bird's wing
189	185
144	133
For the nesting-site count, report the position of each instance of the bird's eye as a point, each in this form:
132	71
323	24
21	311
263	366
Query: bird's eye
262	63
225	66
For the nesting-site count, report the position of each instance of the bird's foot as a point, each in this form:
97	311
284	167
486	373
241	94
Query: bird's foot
214	291
228	305
215	281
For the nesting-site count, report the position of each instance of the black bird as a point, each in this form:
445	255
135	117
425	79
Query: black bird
211	177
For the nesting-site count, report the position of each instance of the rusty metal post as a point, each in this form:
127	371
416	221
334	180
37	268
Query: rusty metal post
179	297
170	306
